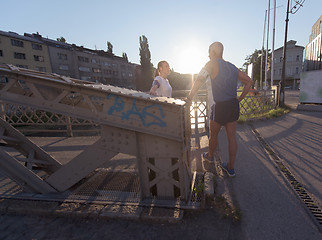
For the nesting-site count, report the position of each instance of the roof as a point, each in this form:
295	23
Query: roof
21	37
289	43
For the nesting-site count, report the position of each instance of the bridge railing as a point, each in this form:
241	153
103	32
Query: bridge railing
30	120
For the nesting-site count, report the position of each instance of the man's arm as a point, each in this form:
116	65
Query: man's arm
247	81
195	86
202	77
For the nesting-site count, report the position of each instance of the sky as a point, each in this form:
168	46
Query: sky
178	31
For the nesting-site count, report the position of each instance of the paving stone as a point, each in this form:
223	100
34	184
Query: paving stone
171	215
121	211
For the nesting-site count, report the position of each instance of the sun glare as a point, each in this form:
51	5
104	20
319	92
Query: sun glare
190	58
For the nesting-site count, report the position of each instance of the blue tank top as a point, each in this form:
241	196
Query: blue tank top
224	86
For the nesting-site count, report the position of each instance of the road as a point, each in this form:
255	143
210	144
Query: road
292	98
297	139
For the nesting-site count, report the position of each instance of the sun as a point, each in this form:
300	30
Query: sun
190	57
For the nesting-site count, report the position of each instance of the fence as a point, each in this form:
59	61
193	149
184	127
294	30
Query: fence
29	120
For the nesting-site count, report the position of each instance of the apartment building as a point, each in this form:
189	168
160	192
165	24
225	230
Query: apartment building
313	50
69	60
293	64
24	52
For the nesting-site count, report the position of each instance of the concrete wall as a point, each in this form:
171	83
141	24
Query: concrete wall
311	87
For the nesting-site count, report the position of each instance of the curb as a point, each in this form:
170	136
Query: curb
309	107
90	210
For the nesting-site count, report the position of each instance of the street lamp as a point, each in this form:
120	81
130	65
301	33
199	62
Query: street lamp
294	9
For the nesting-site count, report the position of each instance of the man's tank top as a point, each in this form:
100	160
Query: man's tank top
224	86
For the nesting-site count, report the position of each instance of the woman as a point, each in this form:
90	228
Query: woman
161	86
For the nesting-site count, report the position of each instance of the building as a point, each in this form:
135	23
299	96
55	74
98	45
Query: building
293	64
313	51
66	59
24	52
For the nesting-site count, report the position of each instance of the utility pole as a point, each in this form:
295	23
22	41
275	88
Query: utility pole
266	62
272	59
262	55
281	95
282	82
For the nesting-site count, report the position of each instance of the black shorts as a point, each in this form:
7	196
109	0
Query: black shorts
225	112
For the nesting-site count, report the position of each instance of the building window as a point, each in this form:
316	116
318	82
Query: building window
62	56
96	70
22	66
19	55
94	60
107	64
297	58
1	53
281	59
114	65
83	59
36	46
297	70
63	67
41	69
84	78
130	75
38	58
84	69
16	43
107	71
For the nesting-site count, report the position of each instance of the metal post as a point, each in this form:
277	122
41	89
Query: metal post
2	111
69	127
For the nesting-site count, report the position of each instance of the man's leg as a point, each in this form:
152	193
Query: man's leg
214	129
232	143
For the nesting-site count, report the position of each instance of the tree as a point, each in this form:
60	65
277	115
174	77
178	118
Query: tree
146	65
124	55
255	58
61	39
109	47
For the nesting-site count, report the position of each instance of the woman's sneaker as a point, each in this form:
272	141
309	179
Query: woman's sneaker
207	158
230	172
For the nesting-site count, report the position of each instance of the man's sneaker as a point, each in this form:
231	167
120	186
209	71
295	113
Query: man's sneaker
230	172
207	158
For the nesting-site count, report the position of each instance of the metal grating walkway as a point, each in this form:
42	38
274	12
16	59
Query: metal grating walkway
104	187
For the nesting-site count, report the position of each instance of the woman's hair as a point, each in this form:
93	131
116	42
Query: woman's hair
157	71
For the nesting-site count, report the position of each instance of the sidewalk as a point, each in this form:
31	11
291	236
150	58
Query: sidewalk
270	208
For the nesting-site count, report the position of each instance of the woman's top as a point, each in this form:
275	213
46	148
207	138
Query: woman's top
164	88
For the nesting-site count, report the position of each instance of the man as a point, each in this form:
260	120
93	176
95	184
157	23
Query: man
223	77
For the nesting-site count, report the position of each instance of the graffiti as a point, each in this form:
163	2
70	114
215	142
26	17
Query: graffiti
147	118
118	104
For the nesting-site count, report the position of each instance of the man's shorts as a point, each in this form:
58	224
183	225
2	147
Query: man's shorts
225	112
